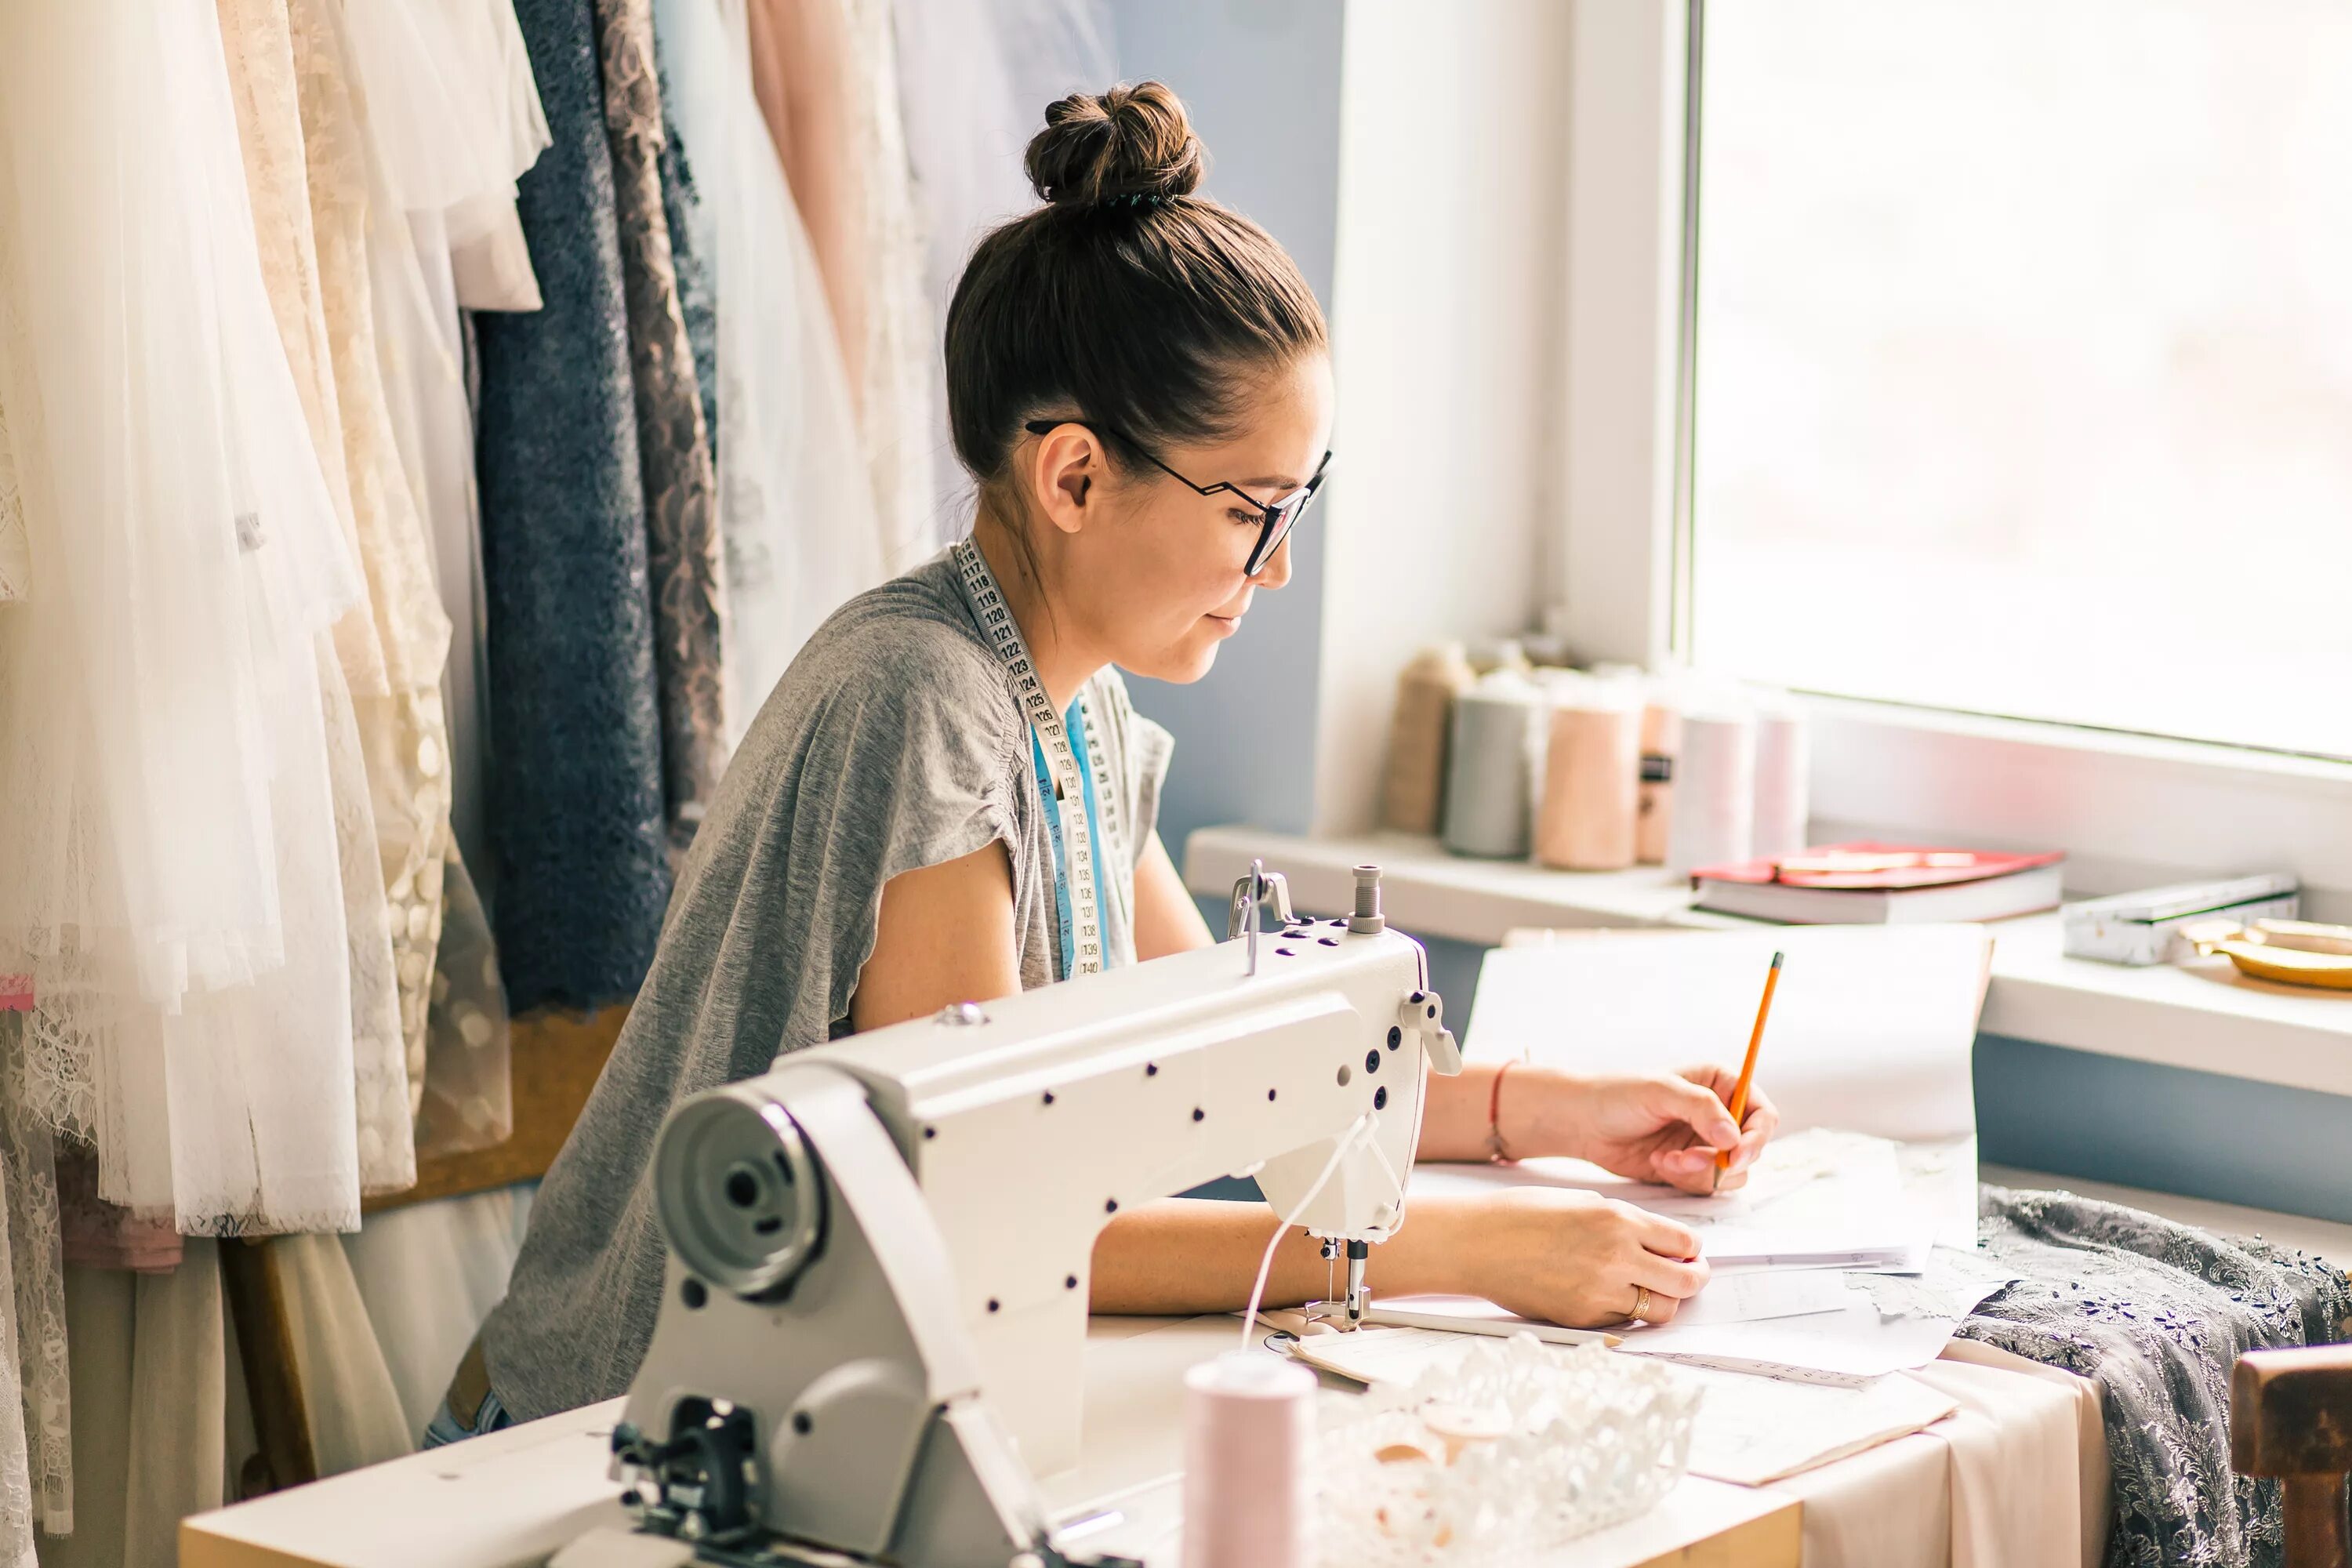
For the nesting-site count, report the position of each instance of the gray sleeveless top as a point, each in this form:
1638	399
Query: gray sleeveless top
893	741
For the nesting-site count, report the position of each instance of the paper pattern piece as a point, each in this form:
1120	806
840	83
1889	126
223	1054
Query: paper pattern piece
1755	1430
1755	1297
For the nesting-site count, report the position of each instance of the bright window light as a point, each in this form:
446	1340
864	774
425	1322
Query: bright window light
2024	359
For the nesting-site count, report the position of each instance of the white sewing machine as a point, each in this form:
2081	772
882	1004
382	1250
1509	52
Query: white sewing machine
875	1300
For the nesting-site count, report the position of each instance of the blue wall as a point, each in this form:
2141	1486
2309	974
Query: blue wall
1262	85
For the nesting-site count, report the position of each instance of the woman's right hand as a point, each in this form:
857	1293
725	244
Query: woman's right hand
1570	1257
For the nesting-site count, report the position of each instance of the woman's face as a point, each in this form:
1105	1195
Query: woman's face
1157	579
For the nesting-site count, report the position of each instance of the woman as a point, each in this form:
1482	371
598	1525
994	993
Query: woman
1138	380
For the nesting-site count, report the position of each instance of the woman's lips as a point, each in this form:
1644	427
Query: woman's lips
1226	625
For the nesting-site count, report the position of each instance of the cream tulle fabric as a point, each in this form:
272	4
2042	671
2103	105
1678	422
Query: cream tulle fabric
168	860
901	336
796	504
974	77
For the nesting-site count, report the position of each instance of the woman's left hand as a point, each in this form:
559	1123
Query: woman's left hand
1666	1128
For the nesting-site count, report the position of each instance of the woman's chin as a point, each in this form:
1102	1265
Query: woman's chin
1180	665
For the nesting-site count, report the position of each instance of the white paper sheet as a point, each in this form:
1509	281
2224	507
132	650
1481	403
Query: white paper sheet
1872	1028
1754	1430
1755	1297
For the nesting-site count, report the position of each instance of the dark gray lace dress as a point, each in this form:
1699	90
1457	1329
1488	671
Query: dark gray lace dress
2155	1314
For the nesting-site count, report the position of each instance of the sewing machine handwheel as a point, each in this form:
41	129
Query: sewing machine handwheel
740	1196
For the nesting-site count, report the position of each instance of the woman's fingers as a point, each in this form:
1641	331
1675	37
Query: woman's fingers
1669	1277
1698	1105
1656	1233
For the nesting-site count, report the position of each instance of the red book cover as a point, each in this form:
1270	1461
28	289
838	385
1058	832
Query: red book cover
1876	867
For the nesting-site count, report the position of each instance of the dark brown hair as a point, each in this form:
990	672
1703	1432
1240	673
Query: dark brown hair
1126	300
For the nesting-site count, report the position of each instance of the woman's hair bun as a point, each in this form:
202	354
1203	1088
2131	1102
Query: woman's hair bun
1130	144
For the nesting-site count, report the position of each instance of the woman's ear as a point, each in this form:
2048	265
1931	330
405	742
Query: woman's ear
1069	464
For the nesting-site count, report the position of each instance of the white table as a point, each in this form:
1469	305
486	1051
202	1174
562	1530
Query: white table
508	1500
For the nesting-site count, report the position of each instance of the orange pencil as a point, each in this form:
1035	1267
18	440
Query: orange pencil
1747	1068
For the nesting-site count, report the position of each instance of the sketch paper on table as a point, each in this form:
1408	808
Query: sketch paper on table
1861	1341
1755	1430
1873	1027
1754	1296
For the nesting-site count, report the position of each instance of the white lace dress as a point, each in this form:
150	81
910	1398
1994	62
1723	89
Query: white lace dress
453	121
169	874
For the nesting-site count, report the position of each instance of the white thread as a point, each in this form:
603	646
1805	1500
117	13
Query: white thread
1363	1127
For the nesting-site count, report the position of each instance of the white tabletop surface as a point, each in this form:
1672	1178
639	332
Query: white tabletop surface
510	1500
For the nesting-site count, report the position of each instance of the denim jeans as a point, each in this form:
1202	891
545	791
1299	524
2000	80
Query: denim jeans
443	1429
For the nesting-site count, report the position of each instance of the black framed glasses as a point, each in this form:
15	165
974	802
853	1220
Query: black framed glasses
1275	518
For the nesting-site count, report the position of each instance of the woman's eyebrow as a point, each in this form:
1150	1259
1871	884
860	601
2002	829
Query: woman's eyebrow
1282	481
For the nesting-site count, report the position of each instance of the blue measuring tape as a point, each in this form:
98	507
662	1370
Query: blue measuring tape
1057	743
1075	724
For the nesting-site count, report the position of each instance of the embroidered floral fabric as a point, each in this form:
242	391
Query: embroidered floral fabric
681	492
2156	1314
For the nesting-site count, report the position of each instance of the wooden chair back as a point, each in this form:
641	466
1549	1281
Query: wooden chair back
2291	1416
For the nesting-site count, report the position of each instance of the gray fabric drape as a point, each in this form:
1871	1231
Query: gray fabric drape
578	801
2155	1314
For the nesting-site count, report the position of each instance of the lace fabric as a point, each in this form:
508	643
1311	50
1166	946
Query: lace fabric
36	1271
578	805
364	242
674	457
466	1098
16	551
2156	1314
257	39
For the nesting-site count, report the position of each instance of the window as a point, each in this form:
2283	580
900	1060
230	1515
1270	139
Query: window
2023	376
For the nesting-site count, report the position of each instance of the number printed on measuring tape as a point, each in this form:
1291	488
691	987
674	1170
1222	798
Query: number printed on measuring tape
995	620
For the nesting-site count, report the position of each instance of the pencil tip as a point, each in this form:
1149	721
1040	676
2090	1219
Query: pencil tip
1776	959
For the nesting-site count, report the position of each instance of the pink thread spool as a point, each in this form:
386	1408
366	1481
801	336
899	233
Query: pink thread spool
1249	1487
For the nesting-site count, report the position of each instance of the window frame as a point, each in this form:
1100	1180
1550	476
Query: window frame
2130	809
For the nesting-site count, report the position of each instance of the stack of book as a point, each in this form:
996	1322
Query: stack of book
1882	884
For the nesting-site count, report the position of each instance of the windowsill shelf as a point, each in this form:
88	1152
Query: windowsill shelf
2204	1016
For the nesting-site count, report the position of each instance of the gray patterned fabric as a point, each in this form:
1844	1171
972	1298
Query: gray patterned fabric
2155	1314
681	490
577	784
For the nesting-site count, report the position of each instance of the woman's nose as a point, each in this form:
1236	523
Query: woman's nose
1276	570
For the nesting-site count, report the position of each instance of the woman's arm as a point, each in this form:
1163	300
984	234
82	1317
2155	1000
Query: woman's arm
945	935
1565	1256
1166	919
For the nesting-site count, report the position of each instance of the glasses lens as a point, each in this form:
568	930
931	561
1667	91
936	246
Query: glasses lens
1274	530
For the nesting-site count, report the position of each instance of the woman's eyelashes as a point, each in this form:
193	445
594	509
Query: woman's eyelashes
1250	518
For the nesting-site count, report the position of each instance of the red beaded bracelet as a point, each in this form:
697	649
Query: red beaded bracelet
1495	1153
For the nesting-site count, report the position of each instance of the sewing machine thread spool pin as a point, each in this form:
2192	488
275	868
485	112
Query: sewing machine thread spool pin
1367	919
